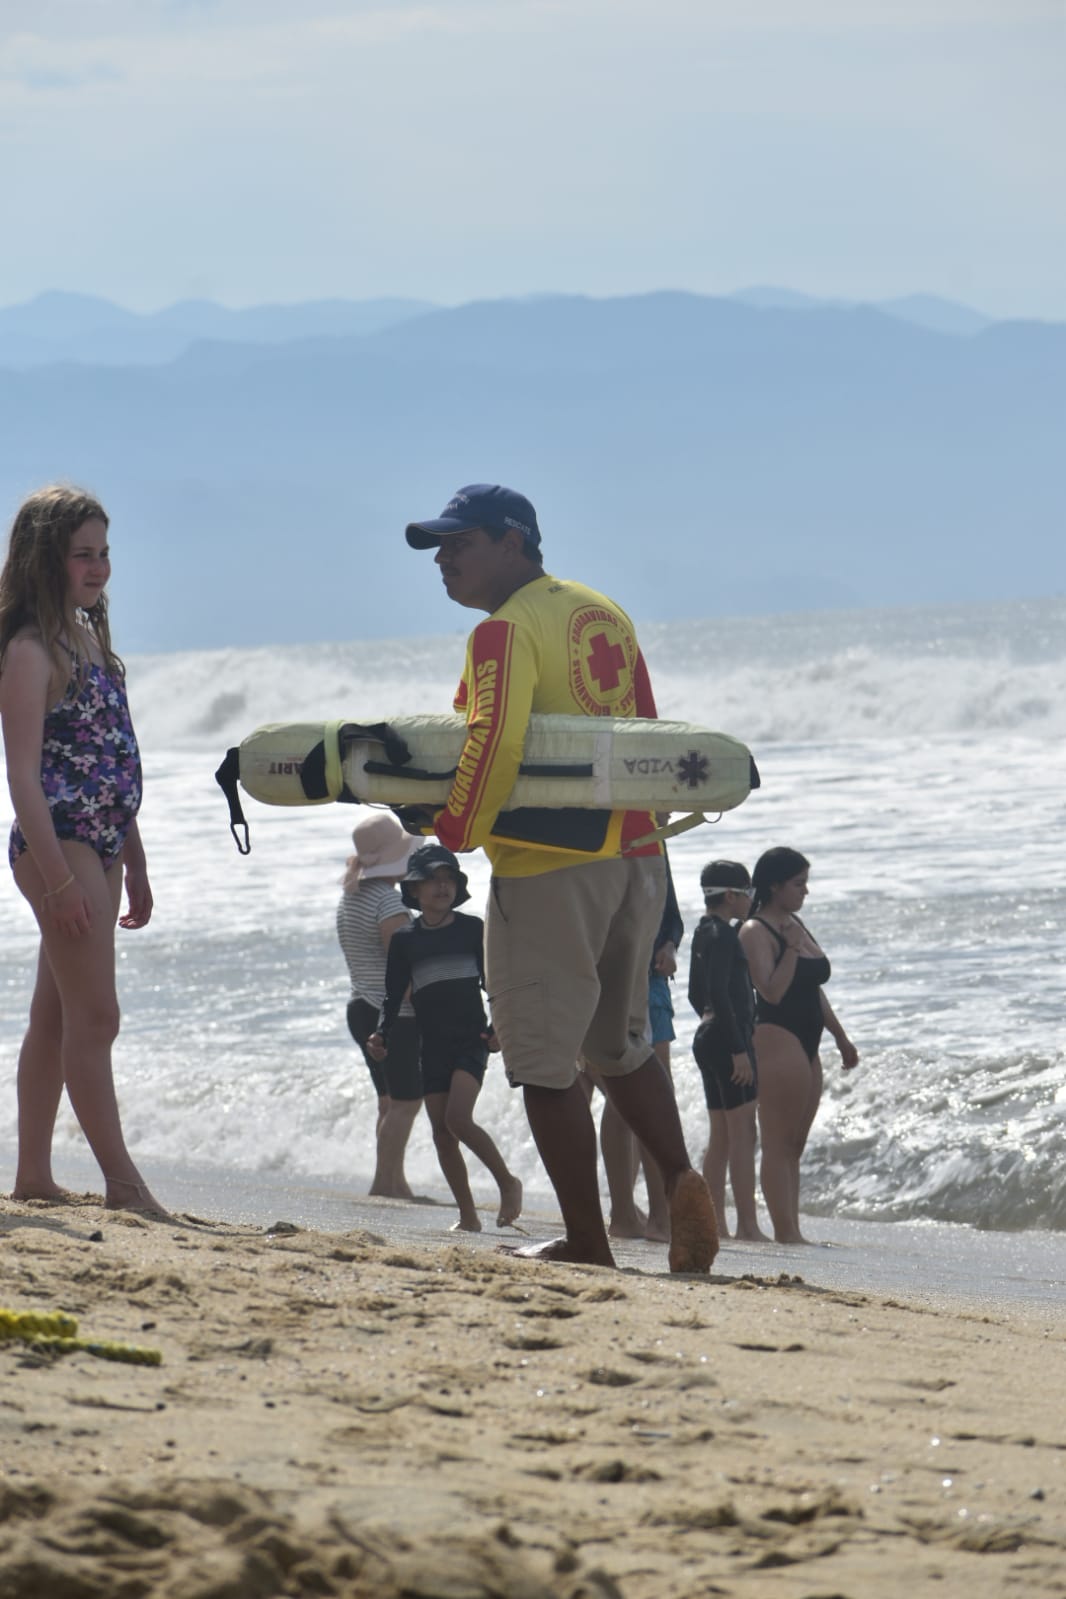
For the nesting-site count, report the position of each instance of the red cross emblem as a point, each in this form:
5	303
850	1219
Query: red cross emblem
605	662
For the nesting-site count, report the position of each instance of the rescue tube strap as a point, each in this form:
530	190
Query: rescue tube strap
321	771
226	778
670	830
419	774
396	750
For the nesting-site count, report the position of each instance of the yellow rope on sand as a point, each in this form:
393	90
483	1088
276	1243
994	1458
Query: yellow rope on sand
56	1332
29	1323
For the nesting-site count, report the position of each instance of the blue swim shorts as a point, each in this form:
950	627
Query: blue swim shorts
660	1009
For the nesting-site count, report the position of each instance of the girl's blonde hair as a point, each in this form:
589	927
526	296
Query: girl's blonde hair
33	582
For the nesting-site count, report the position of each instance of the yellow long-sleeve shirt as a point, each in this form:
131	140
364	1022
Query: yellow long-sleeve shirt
555	647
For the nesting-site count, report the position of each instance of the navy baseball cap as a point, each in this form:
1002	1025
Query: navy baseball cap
487	505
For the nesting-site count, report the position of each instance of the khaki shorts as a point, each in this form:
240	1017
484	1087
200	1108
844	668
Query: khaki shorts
566	967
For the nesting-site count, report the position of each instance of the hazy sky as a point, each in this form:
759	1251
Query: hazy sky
253	150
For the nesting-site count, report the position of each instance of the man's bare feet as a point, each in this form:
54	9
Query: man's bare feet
467	1224
693	1225
561	1250
510	1203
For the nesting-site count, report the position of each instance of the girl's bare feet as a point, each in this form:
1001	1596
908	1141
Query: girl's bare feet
48	1193
137	1197
467	1224
510	1202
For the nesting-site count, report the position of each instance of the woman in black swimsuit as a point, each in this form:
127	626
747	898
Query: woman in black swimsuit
788	969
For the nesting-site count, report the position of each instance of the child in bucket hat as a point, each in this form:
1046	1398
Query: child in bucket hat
421	866
440	958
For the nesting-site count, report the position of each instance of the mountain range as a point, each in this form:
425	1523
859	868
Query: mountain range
693	455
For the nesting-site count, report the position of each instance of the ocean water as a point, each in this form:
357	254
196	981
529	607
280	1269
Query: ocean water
916	757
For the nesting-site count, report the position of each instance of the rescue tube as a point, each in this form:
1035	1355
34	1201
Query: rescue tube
582	762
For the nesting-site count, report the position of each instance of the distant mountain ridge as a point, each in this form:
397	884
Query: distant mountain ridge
58	327
694	456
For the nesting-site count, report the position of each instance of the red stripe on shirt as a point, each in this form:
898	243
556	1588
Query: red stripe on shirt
491	650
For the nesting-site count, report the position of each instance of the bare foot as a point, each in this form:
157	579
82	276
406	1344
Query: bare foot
693	1225
49	1194
749	1235
559	1249
467	1224
510	1203
630	1225
137	1197
657	1231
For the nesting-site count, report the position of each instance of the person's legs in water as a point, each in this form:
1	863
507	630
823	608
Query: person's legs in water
394	1130
731	1097
452	1163
716	1164
645	1097
789	1091
620	1162
741	1139
403	1075
459	1119
657	1229
379	1183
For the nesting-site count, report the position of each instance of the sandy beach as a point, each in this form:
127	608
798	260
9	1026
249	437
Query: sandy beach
372	1412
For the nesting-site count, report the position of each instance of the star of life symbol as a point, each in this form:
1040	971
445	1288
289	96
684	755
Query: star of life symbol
692	769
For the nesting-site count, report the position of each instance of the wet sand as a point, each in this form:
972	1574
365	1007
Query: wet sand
379	1409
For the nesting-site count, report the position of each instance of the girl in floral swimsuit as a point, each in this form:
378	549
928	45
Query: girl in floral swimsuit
74	773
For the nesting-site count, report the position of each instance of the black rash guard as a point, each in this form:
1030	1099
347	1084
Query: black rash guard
719	981
445	969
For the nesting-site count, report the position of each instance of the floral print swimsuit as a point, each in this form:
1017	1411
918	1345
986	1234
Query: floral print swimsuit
90	765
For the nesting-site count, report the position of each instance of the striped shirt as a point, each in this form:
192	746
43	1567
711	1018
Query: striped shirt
359	918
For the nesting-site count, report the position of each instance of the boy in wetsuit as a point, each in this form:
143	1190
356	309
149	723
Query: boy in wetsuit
439	957
720	992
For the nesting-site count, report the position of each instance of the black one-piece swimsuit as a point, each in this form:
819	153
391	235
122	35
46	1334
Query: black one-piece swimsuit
799	1011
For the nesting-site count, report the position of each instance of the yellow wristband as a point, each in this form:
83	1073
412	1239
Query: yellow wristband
52	892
